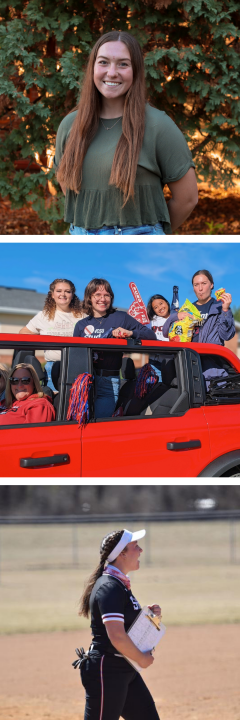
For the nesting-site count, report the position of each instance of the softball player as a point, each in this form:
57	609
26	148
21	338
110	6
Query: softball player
113	687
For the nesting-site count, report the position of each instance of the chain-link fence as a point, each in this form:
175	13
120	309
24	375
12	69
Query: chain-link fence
191	567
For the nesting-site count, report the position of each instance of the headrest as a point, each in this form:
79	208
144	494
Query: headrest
128	369
19	357
168	371
32	360
22	357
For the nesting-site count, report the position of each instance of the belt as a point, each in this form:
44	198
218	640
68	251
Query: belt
107	373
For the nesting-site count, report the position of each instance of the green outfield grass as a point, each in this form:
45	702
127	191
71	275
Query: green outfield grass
185	567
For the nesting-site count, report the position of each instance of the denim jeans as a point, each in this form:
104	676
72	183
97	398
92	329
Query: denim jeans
106	395
48	368
131	230
156	366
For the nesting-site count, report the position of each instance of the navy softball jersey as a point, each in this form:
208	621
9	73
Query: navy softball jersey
113	687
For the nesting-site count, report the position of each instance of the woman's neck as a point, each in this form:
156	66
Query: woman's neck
111	109
63	308
99	313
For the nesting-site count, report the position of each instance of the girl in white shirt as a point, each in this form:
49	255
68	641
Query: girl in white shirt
61	311
158	310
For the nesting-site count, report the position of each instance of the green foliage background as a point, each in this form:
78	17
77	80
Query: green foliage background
192	60
236	313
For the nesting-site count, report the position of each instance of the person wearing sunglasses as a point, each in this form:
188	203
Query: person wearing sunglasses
25	401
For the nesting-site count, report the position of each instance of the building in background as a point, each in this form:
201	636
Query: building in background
17	307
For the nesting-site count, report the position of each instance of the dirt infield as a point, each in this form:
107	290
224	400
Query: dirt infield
195	675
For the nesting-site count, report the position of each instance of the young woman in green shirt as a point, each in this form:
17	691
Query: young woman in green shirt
115	153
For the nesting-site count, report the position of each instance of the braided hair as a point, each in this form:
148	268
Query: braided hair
108	543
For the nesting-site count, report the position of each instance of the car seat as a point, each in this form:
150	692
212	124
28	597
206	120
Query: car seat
128	370
171	400
127	382
162	398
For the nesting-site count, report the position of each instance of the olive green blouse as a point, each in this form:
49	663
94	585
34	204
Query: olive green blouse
164	158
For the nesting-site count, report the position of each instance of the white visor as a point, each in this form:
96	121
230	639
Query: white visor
126	538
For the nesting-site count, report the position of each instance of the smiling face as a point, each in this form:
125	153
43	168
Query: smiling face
113	73
62	294
160	308
202	288
21	391
101	301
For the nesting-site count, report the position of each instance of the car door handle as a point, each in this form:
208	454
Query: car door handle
190	445
43	461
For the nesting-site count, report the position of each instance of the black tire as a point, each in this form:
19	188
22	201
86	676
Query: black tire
234	472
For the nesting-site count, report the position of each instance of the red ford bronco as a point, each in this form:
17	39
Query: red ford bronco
184	426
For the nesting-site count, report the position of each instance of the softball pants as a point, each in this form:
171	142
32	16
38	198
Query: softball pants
114	689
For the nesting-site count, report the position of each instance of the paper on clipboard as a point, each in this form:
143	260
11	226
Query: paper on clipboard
145	633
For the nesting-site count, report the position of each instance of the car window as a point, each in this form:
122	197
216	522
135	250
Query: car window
143	390
222	381
47	365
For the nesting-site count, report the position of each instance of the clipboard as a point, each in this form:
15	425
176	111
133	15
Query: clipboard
145	632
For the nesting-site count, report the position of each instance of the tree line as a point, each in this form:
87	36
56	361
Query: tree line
63	500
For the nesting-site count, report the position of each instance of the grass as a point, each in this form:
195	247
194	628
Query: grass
187	567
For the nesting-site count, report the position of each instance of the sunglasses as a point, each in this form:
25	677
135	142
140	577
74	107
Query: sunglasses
20	381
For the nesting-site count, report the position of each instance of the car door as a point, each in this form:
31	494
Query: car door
147	447
50	449
224	428
172	446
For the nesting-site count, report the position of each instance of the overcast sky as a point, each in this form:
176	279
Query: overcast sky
155	268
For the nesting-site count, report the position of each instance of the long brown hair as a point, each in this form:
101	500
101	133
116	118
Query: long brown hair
49	307
10	398
4	371
85	125
91	288
108	543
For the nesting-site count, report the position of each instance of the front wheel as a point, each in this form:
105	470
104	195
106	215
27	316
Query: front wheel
234	472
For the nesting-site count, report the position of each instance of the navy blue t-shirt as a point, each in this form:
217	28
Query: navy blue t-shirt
204	311
99	327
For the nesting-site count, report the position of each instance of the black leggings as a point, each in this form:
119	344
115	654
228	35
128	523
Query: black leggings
114	689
